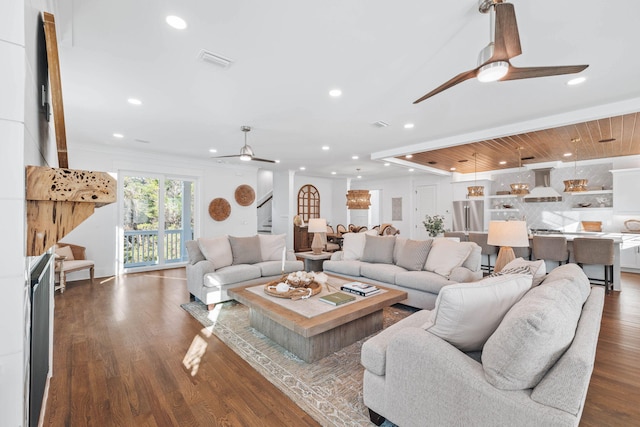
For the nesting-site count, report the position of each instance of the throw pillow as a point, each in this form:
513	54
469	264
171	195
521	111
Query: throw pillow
400	241
523	269
445	255
538	268
466	314
353	244
245	250
378	249
414	254
271	246
217	250
193	252
65	251
533	335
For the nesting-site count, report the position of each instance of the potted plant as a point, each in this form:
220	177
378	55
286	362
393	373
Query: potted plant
434	224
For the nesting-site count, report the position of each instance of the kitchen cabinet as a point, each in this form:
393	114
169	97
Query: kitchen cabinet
625	190
630	257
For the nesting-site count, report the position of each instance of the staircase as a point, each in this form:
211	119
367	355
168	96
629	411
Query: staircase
265	213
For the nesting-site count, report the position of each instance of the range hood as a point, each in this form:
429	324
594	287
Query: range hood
542	192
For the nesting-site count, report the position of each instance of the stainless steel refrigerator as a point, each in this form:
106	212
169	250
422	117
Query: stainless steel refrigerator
468	215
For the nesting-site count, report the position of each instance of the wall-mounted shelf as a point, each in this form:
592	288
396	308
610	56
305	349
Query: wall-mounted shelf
503	210
503	196
593	209
588	193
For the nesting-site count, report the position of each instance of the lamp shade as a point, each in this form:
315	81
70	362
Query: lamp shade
317	225
508	233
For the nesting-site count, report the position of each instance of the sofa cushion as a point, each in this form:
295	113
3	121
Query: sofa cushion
533	335
400	242
245	250
274	268
217	250
378	249
445	255
413	254
350	268
466	314
381	272
422	281
65	251
571	272
231	274
272	246
193	252
537	268
474	259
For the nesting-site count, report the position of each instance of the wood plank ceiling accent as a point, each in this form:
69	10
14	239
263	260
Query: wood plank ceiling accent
602	138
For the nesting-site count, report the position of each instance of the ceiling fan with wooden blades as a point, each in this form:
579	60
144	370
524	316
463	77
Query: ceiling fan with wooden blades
246	152
494	60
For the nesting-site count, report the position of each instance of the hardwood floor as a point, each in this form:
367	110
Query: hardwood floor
119	347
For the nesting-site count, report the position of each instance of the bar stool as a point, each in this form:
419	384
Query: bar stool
524	253
480	239
551	248
459	234
589	250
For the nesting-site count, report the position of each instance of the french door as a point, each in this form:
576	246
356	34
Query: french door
157	218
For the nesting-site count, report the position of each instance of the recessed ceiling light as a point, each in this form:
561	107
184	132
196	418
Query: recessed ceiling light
213	150
387	164
503	162
408	125
408	156
302	168
118	135
134	101
452	169
411	170
335	93
176	22
325	147
567	154
576	81
359	176
333	173
355	157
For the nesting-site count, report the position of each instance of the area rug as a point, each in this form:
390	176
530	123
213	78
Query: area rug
329	390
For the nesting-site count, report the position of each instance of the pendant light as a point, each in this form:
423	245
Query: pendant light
519	188
575	185
475	190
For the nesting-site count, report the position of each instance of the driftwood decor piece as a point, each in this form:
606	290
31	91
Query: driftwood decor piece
58	200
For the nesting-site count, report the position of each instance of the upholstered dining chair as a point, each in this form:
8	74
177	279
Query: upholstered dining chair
456	234
341	229
70	258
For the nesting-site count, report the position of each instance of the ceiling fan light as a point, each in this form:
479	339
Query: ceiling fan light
493	71
245	157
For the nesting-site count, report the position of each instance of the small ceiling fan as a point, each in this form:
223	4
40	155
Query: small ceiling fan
246	152
493	60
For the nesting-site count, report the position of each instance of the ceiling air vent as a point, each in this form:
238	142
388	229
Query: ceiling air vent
214	58
381	124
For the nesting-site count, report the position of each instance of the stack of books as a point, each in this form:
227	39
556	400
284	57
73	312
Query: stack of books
362	289
337	298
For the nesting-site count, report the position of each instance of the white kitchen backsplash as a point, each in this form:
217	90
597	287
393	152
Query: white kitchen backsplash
565	215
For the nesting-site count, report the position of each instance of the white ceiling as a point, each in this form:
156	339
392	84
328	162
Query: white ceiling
288	55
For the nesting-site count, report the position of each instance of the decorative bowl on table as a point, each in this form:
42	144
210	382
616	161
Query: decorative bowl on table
299	279
507	206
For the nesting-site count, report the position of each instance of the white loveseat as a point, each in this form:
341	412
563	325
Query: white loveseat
419	267
489	355
225	262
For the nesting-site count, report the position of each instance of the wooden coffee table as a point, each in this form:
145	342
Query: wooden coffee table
312	338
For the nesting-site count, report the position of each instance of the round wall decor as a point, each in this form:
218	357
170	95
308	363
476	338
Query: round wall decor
245	195
219	209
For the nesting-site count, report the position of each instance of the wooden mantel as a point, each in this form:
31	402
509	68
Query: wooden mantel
59	199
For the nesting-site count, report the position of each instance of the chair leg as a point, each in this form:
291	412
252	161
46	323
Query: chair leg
376	418
63	282
91	274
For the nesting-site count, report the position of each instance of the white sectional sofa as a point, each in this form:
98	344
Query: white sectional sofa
419	267
497	352
225	262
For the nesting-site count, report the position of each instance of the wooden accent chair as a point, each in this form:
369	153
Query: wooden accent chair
70	258
341	229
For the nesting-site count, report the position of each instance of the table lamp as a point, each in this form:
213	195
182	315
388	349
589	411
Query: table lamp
317	226
507	235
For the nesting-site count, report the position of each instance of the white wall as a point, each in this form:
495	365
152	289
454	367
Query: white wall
22	144
265	183
99	233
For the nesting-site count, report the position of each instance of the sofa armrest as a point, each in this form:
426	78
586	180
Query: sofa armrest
195	275
291	256
464	275
429	379
336	256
